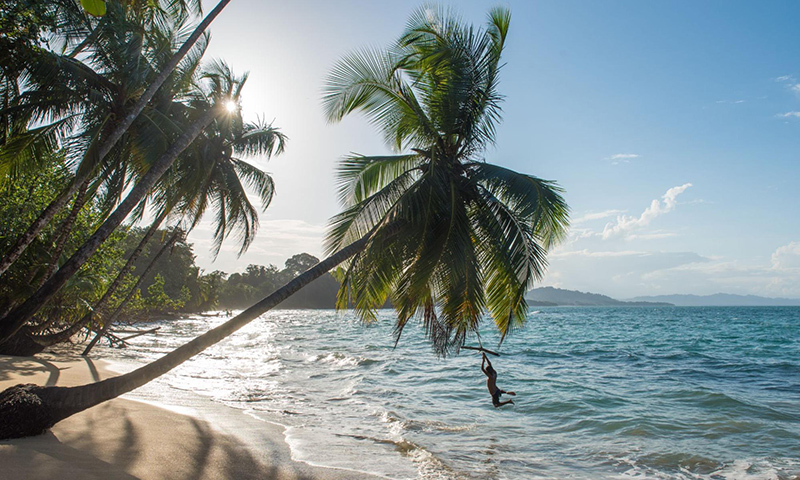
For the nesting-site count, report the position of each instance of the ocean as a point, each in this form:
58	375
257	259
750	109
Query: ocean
602	393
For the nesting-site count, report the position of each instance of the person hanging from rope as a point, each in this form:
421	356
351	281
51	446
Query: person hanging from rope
491	383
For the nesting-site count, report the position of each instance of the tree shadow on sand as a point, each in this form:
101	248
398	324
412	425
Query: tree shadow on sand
107	442
28	367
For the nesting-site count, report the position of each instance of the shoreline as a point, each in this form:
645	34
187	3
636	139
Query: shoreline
131	438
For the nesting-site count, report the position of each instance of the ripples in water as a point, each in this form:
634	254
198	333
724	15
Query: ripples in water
651	393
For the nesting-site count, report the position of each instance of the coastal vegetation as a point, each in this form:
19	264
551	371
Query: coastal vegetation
108	106
436	230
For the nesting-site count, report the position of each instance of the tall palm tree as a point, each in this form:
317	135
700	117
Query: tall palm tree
124	58
206	175
438	211
474	235
101	146
212	173
209	175
222	93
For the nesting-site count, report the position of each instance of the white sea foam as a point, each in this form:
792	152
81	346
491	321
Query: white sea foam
699	388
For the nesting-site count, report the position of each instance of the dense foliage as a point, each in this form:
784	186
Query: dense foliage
107	122
451	236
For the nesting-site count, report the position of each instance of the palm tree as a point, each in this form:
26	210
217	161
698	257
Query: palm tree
211	173
223	93
123	59
95	153
474	235
433	213
208	174
84	97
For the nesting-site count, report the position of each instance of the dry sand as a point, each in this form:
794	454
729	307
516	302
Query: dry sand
124	439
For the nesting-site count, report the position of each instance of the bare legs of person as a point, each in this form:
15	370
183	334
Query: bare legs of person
496	398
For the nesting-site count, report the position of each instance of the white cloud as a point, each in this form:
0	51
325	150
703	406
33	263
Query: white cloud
595	216
784	78
779	278
789	114
651	236
620	274
630	273
626	224
276	241
587	253
618	158
787	257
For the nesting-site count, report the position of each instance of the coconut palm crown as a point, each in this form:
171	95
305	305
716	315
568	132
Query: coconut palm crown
451	236
211	175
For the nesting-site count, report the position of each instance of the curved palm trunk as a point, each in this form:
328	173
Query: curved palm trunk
17	317
121	307
29	409
84	175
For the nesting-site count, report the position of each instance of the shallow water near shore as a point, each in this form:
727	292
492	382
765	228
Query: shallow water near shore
632	392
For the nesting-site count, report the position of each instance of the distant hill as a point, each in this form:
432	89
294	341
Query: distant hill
550	296
720	300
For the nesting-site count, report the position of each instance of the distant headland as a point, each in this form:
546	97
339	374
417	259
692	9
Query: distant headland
551	296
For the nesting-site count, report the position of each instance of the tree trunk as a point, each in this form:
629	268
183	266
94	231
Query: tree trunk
65	229
21	314
20	345
110	321
99	309
84	174
43	219
27	410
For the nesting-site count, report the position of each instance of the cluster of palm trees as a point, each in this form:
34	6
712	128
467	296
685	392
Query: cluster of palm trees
148	131
438	231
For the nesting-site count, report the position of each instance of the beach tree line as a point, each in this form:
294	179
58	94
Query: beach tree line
448	238
130	126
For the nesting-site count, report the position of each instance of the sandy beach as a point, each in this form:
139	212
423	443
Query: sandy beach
125	439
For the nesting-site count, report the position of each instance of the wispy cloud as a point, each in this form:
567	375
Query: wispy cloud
651	236
734	102
779	278
789	115
784	78
598	254
595	216
625	224
618	158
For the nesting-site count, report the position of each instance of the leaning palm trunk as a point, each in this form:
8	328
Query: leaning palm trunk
17	317
43	219
29	409
65	229
100	312
99	309
83	176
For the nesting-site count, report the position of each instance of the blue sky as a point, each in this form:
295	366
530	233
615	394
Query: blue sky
673	127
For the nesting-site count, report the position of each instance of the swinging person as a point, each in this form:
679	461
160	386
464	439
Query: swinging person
491	383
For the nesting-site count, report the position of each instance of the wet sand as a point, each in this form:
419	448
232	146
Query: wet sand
125	439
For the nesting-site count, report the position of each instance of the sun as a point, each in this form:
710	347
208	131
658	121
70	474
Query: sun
231	106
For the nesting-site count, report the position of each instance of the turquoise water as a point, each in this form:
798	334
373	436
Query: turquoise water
635	392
